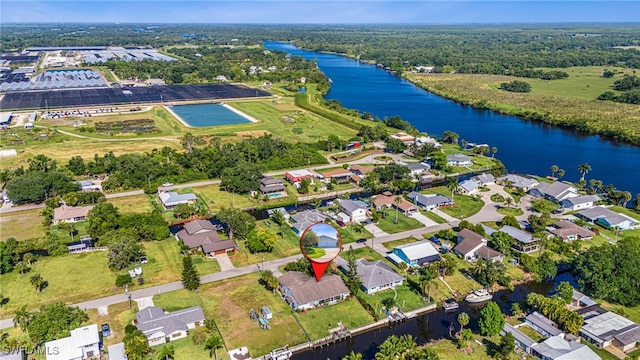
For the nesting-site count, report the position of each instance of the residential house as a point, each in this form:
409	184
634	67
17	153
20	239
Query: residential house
568	231
485	179
403	136
429	201
296	176
427	140
361	171
472	246
608	218
459	160
405	207
580	202
88	185
417	169
160	327
519	182
302	220
202	234
270	185
171	199
13	354
281	210
553	348
70	214
542	324
468	187
524	242
604	328
355	209
580	300
340	175
82	343
375	275
556	191
302	292
388	200
426	178
117	352
414	254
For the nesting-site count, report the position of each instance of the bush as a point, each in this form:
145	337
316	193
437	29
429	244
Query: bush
130	328
123	280
516	86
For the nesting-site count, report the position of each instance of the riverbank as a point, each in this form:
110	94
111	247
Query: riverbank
615	121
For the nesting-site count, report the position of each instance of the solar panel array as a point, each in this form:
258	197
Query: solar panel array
68	98
59	79
123	54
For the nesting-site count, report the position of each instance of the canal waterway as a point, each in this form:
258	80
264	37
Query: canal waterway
523	146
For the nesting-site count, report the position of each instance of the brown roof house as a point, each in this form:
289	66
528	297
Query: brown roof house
202	234
472	246
302	292
569	231
70	214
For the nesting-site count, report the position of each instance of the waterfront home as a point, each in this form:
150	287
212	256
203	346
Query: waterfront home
388	200
355	209
403	136
375	275
171	199
340	175
82	343
568	231
160	327
472	246
202	235
608	218
579	202
459	160
554	348
468	187
604	328
429	201
543	325
427	140
361	171
518	182
88	185
580	300
302	292
270	185
302	220
417	169
296	176
484	179
524	242
414	254
70	214
555	192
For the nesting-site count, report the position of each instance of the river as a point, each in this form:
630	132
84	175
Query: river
523	146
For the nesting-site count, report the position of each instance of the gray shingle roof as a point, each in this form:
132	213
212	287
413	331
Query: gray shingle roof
519	336
428	200
517	234
194	226
304	219
171	198
372	274
308	290
583	199
352	205
153	318
543	323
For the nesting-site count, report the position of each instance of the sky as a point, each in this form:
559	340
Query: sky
319	12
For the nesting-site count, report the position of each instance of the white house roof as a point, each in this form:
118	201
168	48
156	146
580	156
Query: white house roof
458	158
609	325
557	190
612	218
519	181
152	319
518	335
71	346
418	250
517	234
543	323
469	185
557	348
352	205
299	173
578	200
171	198
116	352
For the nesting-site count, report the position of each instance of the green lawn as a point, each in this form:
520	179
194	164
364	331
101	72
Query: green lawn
185	349
22	225
585	82
388	225
391	244
350	233
406	299
227	302
510	211
449	350
464	206
534	335
318	321
433	216
287	246
132	204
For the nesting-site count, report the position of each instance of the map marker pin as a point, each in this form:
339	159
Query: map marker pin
320	243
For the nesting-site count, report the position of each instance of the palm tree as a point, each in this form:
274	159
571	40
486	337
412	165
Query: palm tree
21	267
213	343
453	184
584	168
560	173
494	150
22	318
508	200
353	356
28	258
637	202
166	353
403	267
316	202
426	278
554	170
625	196
388	303
38	282
397	200
463	320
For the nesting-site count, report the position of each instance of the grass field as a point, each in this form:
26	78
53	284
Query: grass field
228	302
569	102
136	204
318	321
287	246
388	224
510	211
433	216
21	225
391	244
448	349
464	206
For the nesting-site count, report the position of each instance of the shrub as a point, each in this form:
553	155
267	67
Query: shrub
123	280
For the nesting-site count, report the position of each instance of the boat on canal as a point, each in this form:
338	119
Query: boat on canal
478	296
450	304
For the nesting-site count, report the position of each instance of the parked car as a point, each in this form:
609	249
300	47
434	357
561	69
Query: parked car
340	222
106	331
435	240
143	259
167	184
361	240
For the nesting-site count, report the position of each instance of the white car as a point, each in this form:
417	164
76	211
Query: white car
167	184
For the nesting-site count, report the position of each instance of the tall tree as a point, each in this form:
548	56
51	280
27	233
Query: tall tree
494	150
53	321
554	170
167	352
463	320
397	200
38	282
189	142
354	281
239	223
136	345
584	168
190	278
506	347
453	184
491	319
565	292
101	219
213	343
560	173
22	318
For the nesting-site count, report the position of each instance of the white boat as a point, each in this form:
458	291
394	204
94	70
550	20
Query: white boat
479	296
450	304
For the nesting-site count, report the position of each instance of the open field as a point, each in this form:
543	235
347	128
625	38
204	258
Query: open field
21	225
132	204
228	302
568	102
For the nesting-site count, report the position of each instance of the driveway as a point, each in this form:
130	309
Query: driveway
224	262
144	302
423	219
374	230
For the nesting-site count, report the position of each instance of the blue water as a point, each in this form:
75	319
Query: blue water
212	114
523	146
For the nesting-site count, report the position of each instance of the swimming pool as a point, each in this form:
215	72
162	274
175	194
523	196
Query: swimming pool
209	114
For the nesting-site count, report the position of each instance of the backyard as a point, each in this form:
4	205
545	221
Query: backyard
286	246
387	222
318	321
22	225
464	206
